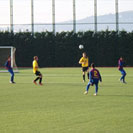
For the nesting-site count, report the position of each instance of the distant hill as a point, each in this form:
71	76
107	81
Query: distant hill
124	17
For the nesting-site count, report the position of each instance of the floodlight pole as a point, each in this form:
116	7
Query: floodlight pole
32	17
95	15
74	16
53	15
11	16
117	14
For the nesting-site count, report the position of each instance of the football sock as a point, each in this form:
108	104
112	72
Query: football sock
96	88
12	76
88	86
84	77
37	79
40	80
88	75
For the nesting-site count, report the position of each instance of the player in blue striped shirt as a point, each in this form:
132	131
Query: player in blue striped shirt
94	77
10	70
120	68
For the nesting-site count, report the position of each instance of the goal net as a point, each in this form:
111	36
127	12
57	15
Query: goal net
6	51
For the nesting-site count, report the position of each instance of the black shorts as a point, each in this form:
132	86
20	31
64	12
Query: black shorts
84	69
38	73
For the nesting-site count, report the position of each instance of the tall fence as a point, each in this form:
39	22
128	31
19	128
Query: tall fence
74	24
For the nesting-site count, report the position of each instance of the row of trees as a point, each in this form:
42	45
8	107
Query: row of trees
61	50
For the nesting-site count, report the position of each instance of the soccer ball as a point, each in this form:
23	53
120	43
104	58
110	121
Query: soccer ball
81	46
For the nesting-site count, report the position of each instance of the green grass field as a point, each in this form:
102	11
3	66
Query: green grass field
59	106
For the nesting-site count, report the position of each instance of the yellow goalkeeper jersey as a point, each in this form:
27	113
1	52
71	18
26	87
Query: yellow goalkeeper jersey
35	66
84	61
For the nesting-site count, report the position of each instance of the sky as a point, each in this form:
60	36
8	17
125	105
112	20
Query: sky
64	10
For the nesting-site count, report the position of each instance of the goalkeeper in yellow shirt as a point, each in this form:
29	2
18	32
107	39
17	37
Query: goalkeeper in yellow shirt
36	71
84	61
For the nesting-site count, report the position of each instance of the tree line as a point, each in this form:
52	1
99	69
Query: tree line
62	49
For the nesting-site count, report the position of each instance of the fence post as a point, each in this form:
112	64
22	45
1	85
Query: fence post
95	15
53	16
117	15
11	16
32	17
74	16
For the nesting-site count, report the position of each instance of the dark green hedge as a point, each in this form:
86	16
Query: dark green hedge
61	50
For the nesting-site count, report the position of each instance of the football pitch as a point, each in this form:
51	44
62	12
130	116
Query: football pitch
59	106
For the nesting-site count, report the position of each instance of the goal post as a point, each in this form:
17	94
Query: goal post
6	51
